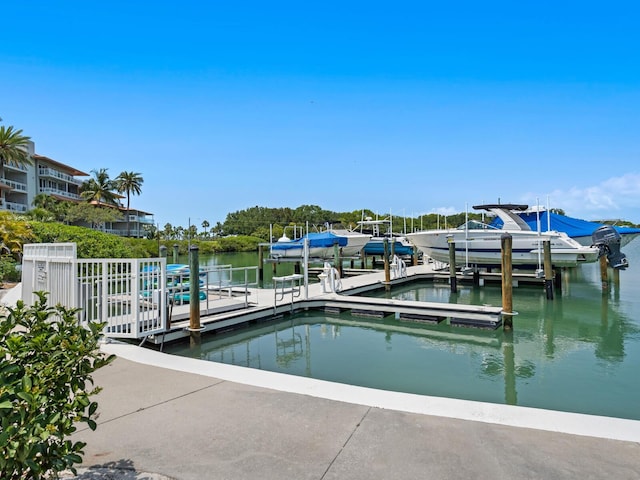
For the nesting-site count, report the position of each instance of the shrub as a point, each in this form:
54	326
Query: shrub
46	365
91	243
8	270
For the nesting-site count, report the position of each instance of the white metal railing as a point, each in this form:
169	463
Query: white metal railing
330	279
128	294
15	185
50	172
15	166
398	268
131	295
57	191
289	284
224	279
15	207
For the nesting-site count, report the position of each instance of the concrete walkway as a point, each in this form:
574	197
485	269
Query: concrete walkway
182	425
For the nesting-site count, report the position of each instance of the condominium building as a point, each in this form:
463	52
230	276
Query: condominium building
21	184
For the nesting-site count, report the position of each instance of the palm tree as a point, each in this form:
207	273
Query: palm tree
44	201
205	227
129	183
13	149
99	189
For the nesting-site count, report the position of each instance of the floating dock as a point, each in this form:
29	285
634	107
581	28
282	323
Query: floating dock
233	309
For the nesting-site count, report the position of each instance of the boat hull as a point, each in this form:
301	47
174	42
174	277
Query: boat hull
484	247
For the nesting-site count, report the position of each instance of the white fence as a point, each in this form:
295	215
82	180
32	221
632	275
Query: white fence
128	294
131	295
50	267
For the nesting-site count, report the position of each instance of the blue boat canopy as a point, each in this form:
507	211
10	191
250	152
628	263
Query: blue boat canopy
574	227
322	239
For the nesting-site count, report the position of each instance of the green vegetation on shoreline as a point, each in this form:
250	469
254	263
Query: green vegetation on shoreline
242	231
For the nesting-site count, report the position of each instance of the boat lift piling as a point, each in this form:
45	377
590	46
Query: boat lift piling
453	281
604	273
162	251
194	296
506	241
548	269
176	249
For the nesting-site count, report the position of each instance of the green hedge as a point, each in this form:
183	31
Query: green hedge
46	384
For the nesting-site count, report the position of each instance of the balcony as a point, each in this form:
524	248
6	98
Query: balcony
136	219
50	172
19	186
15	207
60	193
13	166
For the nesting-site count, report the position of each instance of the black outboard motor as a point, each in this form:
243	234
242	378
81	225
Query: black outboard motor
607	239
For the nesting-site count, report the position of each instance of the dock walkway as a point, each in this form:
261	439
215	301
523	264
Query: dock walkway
227	311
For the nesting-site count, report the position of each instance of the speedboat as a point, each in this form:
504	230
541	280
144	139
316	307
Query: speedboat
321	245
400	245
478	243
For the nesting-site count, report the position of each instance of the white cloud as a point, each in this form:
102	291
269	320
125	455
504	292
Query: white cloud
615	197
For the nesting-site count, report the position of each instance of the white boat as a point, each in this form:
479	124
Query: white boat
321	245
478	243
379	231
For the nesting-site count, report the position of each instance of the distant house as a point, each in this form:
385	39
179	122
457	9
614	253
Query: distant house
22	184
138	221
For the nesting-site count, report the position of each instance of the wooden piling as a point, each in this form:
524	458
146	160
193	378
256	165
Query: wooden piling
604	272
176	250
548	269
194	295
506	241
453	280
162	251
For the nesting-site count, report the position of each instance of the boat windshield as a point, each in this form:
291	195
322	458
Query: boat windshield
476	225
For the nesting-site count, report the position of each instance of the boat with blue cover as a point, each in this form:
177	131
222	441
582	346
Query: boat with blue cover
478	243
379	231
321	244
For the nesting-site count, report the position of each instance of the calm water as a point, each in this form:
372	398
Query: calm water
578	353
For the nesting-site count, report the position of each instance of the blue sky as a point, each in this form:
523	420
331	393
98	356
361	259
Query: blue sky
408	107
